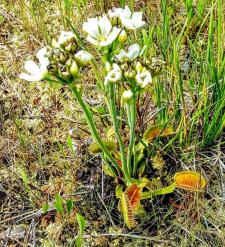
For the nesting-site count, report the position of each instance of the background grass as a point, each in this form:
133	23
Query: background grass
44	137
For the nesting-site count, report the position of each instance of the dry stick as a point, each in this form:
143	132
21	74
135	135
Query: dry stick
38	212
8	236
34	232
124	235
102	180
192	234
107	211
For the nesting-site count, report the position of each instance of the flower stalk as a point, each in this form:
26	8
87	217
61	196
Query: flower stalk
112	107
92	126
131	149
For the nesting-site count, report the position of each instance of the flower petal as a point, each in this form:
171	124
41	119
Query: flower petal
83	57
133	51
64	36
121	56
91	27
104	25
43	60
137	19
92	40
127	12
115	12
32	67
111	37
30	78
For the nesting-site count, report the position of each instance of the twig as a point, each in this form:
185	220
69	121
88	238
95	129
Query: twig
34	232
107	211
126	236
192	234
102	180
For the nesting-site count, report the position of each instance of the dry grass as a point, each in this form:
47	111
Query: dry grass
36	160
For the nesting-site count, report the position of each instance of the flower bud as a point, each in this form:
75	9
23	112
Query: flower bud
62	58
114	21
130	74
138	67
68	47
69	62
52	68
124	66
122	37
54	43
66	75
127	95
108	67
74	69
83	58
146	62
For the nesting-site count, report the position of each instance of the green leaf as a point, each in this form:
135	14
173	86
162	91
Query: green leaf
45	207
119	191
69	206
78	241
24	176
1	19
70	144
166	190
58	204
81	222
95	147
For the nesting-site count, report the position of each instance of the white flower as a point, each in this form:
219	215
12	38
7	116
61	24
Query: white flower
131	21
83	57
36	73
115	12
143	78
133	52
100	31
64	37
127	95
113	75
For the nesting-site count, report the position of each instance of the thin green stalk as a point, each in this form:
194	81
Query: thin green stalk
112	108
91	124
132	117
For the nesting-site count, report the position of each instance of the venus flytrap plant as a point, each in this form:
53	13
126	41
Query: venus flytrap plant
128	74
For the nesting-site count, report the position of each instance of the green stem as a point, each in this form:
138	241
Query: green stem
112	108
91	124
132	112
166	190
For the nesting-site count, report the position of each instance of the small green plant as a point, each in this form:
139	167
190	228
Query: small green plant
128	74
81	223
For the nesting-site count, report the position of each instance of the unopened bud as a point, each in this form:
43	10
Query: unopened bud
130	74
66	75
114	21
138	67
73	47
108	66
83	58
62	58
68	47
69	62
124	66
127	95
146	61
74	69
54	43
122	37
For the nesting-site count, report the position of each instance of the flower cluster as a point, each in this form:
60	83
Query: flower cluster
130	68
102	31
61	60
